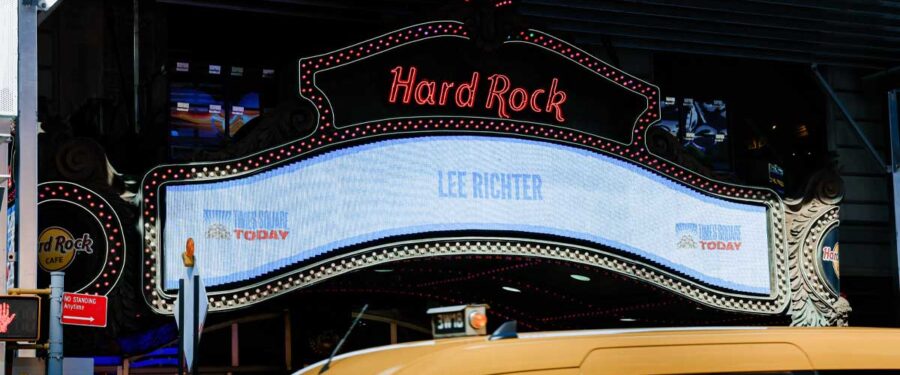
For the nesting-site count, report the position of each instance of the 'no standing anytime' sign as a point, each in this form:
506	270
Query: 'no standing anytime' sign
84	310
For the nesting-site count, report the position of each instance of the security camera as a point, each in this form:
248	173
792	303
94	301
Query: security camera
41	4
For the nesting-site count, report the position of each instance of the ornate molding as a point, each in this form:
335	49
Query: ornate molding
813	303
384	254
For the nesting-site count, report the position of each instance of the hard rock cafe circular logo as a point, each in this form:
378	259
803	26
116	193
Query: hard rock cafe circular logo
57	248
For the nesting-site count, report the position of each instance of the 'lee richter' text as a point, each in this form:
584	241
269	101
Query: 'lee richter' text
489	185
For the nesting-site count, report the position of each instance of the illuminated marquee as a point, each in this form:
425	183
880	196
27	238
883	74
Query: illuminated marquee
420	133
393	188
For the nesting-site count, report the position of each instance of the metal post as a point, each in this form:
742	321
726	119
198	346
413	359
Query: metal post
27	136
288	348
55	362
393	332
9	12
195	324
181	328
7	365
136	67
3	241
894	127
235	345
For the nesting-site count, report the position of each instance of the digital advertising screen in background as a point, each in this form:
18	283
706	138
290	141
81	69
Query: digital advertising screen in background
424	138
409	186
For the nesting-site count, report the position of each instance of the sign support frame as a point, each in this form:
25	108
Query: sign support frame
894	167
180	331
195	322
55	355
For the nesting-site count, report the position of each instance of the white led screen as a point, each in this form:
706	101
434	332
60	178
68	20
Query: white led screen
248	227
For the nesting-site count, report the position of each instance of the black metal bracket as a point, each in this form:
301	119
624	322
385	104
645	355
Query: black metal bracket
853	125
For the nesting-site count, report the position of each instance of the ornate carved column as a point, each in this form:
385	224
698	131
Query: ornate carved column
815	301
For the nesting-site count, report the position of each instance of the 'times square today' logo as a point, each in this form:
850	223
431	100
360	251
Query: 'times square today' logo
708	236
246	225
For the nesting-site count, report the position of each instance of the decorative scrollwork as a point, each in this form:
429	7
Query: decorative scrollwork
812	302
829	187
82	160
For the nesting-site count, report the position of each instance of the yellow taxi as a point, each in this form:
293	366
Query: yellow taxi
719	350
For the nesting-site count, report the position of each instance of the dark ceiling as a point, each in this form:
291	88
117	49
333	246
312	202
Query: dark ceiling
540	294
863	33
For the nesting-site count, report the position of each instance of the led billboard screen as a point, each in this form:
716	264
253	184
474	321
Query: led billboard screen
256	225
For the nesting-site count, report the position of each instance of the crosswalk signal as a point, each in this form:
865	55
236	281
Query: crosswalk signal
20	318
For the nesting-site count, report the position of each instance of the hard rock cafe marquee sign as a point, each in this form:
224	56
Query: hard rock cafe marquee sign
421	134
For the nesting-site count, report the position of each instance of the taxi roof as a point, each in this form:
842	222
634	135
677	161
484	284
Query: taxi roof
634	351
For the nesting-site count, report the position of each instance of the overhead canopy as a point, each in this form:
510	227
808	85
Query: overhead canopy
839	32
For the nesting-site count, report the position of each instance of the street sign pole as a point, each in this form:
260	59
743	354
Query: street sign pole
191	307
27	137
196	321
55	362
180	328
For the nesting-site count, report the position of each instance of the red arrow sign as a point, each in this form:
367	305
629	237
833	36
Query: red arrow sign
84	310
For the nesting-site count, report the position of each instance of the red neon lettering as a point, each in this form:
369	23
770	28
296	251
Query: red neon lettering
534	97
445	89
467	88
429	99
500	93
494	92
523	99
556	99
399	83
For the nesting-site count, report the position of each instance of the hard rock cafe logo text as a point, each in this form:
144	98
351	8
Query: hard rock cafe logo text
57	248
246	225
502	96
708	236
830	254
